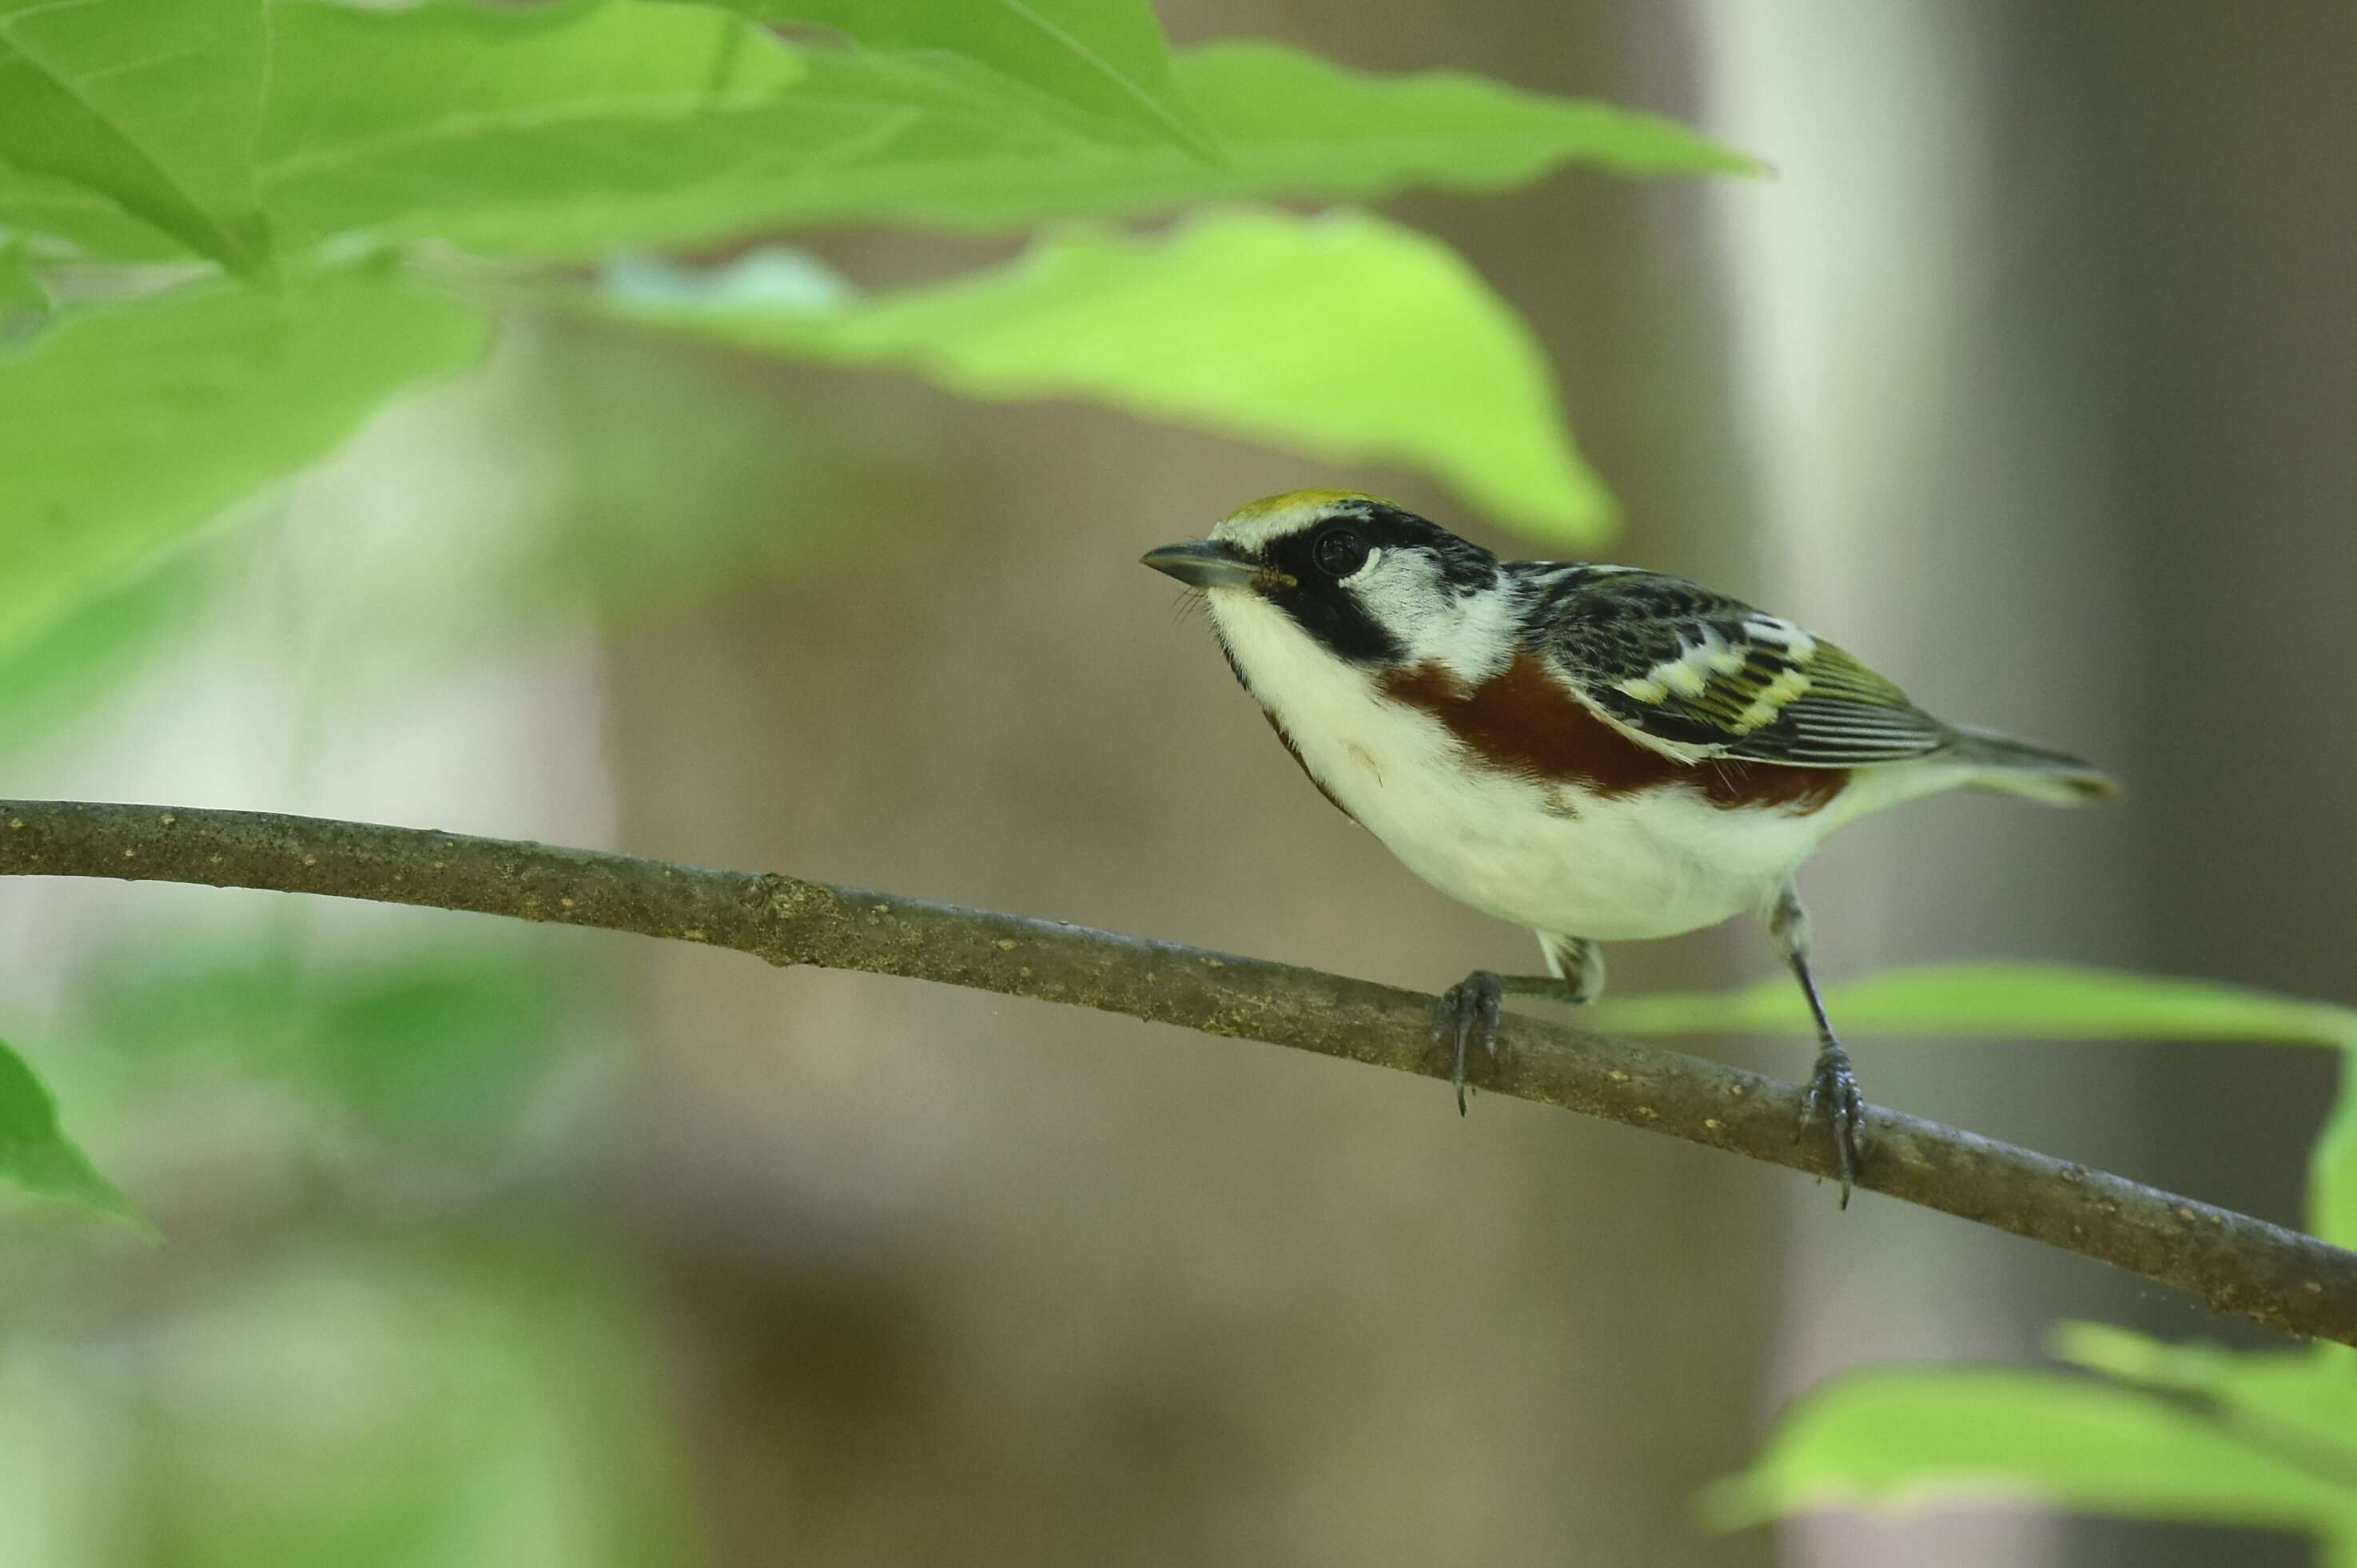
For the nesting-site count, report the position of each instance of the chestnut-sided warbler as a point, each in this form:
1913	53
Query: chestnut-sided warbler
1598	753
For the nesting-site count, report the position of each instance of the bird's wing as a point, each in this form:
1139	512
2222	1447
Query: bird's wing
1697	675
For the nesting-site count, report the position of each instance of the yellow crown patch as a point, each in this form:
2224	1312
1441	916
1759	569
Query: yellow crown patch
1268	505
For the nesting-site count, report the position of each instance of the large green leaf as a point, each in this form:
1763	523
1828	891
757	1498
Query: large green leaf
120	429
34	1153
590	121
1348	335
1107	57
1914	1438
150	103
567	130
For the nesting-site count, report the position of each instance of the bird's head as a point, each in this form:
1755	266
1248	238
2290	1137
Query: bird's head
1342	573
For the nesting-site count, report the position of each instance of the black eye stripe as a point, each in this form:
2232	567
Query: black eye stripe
1311	569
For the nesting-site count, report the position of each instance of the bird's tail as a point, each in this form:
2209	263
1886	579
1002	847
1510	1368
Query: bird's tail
2034	772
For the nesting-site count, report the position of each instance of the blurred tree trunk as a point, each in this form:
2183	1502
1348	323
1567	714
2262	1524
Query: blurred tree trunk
2018	440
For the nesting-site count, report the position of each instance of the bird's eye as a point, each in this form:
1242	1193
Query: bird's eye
1339	551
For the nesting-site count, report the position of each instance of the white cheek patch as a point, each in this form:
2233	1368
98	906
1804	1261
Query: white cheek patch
1399	597
1470	636
1474	635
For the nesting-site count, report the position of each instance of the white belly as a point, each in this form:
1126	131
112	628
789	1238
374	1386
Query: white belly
1640	867
1650	864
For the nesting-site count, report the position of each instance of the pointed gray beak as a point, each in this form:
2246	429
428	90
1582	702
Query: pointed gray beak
1203	564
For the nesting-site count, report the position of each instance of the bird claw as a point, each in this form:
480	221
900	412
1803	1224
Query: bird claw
1833	1094
1473	1003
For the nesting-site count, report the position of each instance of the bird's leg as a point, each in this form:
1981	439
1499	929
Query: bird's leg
1833	1088
1575	974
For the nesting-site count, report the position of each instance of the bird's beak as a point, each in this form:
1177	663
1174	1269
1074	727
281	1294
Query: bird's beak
1204	564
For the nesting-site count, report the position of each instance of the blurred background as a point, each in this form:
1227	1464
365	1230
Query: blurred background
2030	378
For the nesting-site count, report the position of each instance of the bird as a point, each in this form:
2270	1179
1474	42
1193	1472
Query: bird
1598	753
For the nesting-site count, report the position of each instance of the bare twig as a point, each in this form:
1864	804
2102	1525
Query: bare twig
2236	1264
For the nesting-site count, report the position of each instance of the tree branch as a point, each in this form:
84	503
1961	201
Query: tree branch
2236	1264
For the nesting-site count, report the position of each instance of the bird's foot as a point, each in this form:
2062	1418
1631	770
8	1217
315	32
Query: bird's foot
1833	1094
1467	1007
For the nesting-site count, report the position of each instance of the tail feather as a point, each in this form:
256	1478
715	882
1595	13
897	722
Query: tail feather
2034	772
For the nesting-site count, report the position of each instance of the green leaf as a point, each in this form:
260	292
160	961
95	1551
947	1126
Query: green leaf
122	429
2308	1395
497	1401
34	1153
1911	1438
24	301
2332	1165
1296	120
57	220
56	676
2053	1000
445	1049
587	124
151	103
650	434
1107	57
1346	336
567	130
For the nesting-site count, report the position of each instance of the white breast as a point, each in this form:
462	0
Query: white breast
1649	864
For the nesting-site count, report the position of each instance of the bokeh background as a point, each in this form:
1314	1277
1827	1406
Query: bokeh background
2031	377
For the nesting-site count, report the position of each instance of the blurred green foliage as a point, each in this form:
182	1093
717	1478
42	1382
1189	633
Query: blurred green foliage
122	428
35	1151
24	301
439	1052
168	140
453	1400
